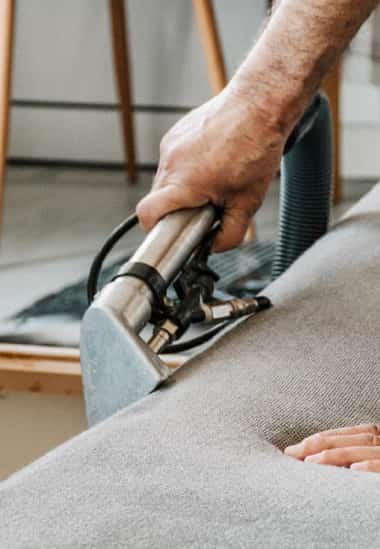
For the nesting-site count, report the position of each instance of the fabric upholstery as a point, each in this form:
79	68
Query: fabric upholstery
198	463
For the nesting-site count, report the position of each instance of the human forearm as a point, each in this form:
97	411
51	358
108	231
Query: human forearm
300	44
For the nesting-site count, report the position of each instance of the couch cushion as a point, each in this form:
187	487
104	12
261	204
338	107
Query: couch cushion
198	463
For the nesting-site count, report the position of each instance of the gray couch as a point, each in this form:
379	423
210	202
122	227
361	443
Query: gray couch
199	463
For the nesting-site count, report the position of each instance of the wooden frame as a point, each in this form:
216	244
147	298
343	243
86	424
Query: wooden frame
6	49
39	369
42	369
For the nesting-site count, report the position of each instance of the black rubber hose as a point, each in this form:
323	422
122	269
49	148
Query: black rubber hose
111	241
305	195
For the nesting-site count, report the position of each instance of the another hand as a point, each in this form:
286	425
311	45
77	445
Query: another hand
355	447
225	152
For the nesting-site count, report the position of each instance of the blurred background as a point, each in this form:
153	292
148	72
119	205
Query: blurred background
64	98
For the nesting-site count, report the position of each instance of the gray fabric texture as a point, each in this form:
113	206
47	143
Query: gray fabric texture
198	463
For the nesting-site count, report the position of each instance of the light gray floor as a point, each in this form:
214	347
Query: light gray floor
55	220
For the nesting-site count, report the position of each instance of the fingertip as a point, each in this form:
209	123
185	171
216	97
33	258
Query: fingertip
360	466
218	246
235	222
292	451
147	211
227	239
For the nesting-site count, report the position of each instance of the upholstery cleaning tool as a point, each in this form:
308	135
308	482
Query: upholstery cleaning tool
118	366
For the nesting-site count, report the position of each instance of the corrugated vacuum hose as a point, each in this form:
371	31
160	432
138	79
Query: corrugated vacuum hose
306	184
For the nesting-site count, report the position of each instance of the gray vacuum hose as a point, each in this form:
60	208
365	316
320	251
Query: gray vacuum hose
306	182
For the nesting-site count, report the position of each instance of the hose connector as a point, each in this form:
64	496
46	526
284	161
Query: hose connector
234	308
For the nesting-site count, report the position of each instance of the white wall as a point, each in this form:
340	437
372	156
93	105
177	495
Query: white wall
63	54
361	130
361	104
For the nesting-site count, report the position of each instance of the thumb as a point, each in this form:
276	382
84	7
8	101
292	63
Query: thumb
234	226
167	199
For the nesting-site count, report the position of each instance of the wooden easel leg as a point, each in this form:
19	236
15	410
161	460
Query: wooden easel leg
212	48
332	86
123	80
6	42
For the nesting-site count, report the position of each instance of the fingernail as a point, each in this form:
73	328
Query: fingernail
357	466
315	458
293	450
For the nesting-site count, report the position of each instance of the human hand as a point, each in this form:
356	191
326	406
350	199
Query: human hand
225	152
355	447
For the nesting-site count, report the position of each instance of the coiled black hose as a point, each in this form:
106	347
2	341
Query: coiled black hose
306	183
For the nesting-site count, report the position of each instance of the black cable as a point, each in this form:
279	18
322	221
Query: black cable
196	341
113	238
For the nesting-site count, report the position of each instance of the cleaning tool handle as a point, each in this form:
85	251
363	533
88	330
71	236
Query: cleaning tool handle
171	242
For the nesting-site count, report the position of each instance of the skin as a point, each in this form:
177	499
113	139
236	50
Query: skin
228	150
355	447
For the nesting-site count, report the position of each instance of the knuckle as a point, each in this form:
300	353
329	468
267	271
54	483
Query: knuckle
240	218
141	209
324	456
374	429
167	162
372	439
168	157
318	438
313	442
308	444
342	453
163	144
